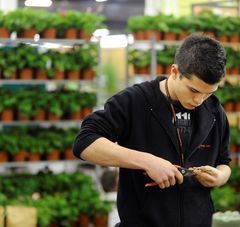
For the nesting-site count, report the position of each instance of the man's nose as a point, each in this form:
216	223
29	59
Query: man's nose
198	99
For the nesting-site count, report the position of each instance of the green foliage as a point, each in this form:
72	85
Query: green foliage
139	58
49	193
228	92
225	198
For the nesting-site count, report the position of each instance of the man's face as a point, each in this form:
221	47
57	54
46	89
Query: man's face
192	92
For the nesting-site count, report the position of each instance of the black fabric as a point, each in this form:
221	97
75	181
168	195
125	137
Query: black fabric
140	118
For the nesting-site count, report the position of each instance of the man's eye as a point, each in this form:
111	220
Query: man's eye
193	91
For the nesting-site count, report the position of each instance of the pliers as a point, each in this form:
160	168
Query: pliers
184	171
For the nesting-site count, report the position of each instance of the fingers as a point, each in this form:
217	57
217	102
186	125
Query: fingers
165	184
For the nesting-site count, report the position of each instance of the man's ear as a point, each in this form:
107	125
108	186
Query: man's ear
174	71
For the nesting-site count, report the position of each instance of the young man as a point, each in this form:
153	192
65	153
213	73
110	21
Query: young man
149	128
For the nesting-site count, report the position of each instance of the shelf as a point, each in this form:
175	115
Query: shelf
44	42
33	81
56	166
61	123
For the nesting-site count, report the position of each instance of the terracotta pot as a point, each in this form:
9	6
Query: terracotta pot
21	117
86	111
160	69
4	33
237	106
100	220
169	36
53	117
70	33
234	71
233	38
19	157
153	34
41	74
139	35
84	220
87	74
54	155
84	35
28	33
183	35
26	74
222	39
41	115
3	156
229	106
76	115
68	154
7	115
73	75
49	33
58	75
34	157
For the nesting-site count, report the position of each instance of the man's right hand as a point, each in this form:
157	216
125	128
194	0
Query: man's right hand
162	172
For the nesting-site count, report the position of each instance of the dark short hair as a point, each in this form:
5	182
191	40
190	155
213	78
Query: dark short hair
203	57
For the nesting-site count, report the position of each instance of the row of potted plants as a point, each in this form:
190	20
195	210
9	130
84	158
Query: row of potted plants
29	62
27	22
18	144
141	60
65	199
169	27
235	145
34	103
229	96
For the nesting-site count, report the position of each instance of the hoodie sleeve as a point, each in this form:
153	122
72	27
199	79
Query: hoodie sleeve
112	123
224	154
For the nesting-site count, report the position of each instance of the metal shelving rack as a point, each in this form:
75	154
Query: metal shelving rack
55	166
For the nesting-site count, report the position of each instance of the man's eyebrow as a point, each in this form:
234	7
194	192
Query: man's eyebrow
195	90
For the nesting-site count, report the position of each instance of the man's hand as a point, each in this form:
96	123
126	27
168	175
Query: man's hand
163	173
209	176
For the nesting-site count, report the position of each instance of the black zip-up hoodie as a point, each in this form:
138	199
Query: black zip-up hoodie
140	118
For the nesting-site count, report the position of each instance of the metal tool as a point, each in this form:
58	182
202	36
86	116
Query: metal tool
184	171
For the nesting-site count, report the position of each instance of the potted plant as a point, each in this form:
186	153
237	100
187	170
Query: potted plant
28	56
140	61
3	153
68	136
100	211
4	33
10	145
91	22
73	65
36	148
89	59
51	21
137	26
58	65
24	21
7	104
55	110
24	104
69	24
9	62
40	104
88	100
